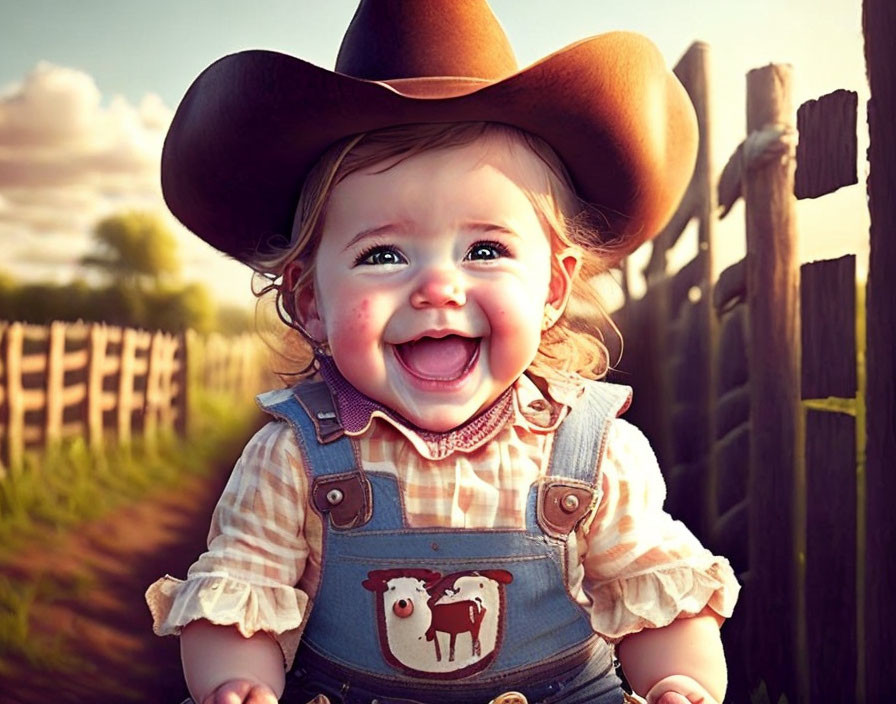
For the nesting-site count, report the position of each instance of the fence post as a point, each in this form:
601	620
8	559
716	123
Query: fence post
15	402
879	25
53	405
181	380
772	290
698	67
97	341
152	396
125	401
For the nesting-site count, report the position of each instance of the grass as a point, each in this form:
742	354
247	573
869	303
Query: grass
72	483
47	652
67	485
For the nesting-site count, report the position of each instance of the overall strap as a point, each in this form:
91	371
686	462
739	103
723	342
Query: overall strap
581	437
339	488
572	485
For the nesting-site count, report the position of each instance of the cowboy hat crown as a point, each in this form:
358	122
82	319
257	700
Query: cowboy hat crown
391	39
252	125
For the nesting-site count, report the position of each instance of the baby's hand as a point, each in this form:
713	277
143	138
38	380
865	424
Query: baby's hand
675	698
679	689
241	692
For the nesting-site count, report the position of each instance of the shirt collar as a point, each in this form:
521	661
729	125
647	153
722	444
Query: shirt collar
523	405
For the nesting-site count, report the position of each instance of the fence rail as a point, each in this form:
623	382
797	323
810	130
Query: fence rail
92	380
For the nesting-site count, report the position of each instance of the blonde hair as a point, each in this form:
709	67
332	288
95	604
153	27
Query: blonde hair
572	344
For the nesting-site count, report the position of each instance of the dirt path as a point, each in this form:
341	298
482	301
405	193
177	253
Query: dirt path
93	580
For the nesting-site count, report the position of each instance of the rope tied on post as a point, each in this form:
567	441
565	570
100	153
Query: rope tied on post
774	142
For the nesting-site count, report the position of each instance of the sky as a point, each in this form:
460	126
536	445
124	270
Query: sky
88	88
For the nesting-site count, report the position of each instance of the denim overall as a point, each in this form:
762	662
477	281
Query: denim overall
420	615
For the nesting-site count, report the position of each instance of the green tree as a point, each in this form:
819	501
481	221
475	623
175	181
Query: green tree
177	309
134	248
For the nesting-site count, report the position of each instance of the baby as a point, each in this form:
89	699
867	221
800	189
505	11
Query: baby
448	508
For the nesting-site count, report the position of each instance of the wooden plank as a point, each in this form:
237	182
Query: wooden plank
828	328
830	584
54	381
733	456
826	153
32	435
33	399
73	429
731	539
74	394
666	239
185	350
772	285
110	401
125	398
77	332
93	406
879	23
15	421
77	359
166	370
35	333
691	275
731	287
732	409
733	364
33	363
152	403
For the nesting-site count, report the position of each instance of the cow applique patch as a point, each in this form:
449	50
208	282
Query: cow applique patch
439	626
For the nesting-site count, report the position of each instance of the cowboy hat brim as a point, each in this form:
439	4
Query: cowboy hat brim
253	123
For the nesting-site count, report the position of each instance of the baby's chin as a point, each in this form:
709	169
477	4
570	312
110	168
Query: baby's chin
437	418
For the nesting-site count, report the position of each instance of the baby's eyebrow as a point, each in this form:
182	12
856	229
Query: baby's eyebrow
375	231
491	227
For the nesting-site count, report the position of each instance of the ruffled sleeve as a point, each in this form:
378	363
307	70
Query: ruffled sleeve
642	569
257	551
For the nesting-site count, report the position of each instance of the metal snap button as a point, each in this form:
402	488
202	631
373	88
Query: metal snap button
570	503
335	497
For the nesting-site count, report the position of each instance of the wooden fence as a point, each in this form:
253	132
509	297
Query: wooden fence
749	383
67	380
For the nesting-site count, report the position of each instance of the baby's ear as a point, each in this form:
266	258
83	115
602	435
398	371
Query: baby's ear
565	265
303	302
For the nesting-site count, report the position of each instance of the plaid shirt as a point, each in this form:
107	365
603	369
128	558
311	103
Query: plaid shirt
630	565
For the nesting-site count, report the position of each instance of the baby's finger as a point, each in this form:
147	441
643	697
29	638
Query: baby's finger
673	698
231	692
679	689
261	694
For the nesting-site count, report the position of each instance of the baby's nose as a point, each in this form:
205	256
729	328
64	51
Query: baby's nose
438	288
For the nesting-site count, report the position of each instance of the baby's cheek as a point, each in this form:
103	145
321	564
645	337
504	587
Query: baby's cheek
356	332
516	335
362	312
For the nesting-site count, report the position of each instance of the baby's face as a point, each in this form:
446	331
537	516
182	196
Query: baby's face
432	278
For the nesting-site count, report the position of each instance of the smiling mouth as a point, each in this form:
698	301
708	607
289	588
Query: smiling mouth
446	358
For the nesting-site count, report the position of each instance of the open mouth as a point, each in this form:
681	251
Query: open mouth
446	358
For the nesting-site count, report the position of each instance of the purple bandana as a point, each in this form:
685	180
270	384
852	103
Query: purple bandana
356	410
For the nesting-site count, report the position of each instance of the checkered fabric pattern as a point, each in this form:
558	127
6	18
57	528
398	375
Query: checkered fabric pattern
630	565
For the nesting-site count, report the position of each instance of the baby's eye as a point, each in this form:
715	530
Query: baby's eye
486	251
380	255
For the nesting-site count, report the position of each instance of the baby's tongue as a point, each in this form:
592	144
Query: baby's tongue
438	358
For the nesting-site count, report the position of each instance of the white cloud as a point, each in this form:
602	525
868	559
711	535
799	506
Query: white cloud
68	159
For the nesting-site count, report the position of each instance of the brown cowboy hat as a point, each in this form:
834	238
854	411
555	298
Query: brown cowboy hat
253	123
